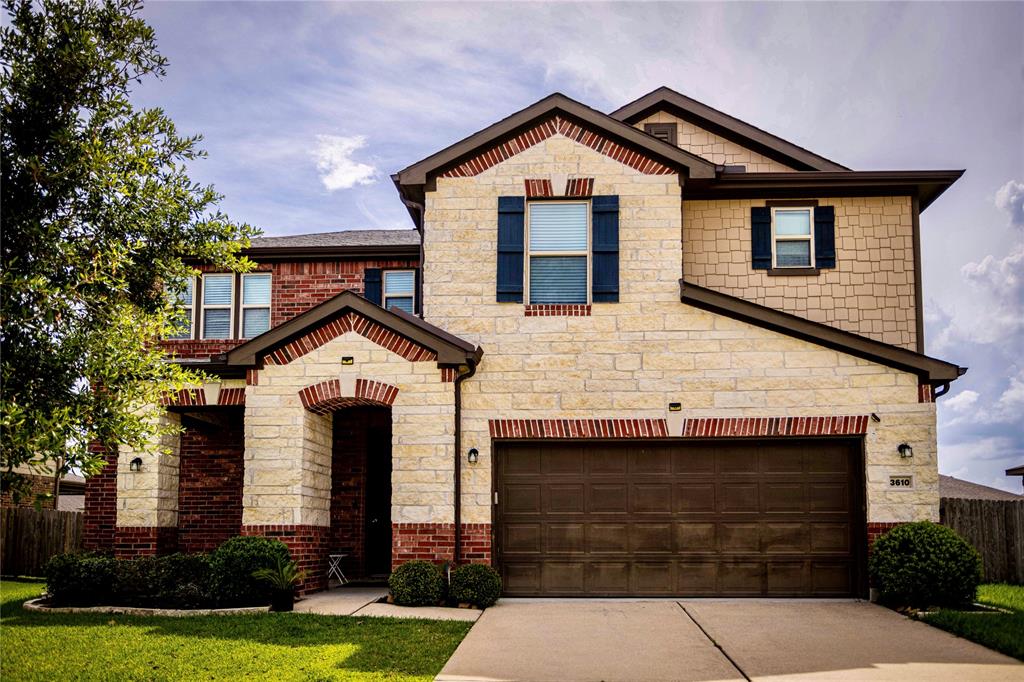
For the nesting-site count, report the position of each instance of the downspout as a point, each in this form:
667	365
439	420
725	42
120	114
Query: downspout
458	456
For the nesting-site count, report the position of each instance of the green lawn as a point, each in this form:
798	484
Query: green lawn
1000	631
286	646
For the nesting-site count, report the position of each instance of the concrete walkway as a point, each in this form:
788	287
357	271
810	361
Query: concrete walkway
709	640
365	601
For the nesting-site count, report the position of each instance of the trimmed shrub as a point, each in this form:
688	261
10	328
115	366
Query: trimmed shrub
924	564
417	583
476	584
176	581
80	579
233	563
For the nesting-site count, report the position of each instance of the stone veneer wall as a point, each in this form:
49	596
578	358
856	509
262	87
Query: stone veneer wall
630	359
869	292
715	148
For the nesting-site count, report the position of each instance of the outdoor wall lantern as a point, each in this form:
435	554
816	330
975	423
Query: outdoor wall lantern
905	450
474	456
136	464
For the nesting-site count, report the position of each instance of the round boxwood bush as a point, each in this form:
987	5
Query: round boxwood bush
80	579
924	564
417	583
475	584
232	565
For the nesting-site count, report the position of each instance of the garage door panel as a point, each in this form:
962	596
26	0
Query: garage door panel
730	519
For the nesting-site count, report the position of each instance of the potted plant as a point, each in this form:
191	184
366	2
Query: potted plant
282	579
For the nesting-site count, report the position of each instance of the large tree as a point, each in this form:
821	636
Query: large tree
99	224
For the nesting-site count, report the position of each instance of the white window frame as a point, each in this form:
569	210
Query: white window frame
530	253
230	307
384	295
191	318
793	237
243	307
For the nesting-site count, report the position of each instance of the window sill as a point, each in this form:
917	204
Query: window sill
794	272
558	310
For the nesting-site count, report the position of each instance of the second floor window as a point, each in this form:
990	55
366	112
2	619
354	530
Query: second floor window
218	297
793	237
255	304
400	290
558	244
186	299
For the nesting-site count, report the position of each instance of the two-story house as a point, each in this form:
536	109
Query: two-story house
653	352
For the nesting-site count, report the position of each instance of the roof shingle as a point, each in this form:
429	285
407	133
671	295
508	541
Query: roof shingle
341	238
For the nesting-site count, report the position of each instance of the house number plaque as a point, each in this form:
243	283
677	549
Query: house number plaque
903	482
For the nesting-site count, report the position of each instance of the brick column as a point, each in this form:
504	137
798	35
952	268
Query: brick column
101	503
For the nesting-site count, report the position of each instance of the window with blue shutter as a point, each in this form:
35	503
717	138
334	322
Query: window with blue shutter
400	290
372	285
218	293
761	237
558	252
825	237
604	283
511	212
255	304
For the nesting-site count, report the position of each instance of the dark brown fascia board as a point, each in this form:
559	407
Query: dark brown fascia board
1015	471
729	127
399	251
927	185
420	172
450	349
216	366
929	369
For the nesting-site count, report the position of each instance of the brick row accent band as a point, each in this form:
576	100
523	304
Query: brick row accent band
326	397
578	428
196	397
925	394
745	427
579	187
538	188
350	322
558	310
557	125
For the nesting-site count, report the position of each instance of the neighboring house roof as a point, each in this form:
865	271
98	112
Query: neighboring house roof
1016	471
931	370
729	127
954	487
450	349
352	243
71	502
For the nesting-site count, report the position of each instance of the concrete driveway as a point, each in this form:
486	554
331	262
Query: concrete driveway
707	640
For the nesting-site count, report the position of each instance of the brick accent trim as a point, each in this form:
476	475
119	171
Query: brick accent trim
308	546
561	126
196	397
325	397
558	310
876	529
578	428
449	374
100	520
422	541
925	393
743	427
476	543
133	541
351	322
538	188
231	396
579	187
252	377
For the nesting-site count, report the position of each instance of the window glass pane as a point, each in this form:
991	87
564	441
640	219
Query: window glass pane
793	253
558	227
186	326
558	279
399	282
217	323
255	321
256	289
217	289
185	297
401	302
793	222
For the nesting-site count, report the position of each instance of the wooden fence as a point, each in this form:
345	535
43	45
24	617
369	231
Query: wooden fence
28	537
996	529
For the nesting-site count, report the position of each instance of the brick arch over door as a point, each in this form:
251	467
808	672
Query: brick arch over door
326	396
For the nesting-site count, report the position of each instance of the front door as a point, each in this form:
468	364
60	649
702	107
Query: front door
378	501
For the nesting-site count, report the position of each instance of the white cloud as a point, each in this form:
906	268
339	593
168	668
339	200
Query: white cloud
338	170
961	401
1010	406
1010	198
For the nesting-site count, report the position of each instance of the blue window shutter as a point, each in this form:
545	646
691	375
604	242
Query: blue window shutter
825	237
511	212
761	237
604	279
372	285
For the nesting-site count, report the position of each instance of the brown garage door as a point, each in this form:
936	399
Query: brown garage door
730	518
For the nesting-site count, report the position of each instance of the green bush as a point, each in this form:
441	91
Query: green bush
233	563
417	583
475	584
173	581
77	579
924	564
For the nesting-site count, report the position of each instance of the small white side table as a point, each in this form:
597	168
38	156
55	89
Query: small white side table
334	568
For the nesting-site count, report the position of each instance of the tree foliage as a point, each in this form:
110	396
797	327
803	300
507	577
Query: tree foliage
100	221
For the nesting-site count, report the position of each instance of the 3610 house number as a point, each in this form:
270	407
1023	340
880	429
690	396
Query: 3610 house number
901	481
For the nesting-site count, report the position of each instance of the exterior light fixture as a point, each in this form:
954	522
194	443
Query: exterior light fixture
136	464
474	456
905	450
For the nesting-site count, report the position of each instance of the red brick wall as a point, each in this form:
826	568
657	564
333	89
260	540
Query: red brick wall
210	483
101	504
309	546
144	541
436	542
41	485
877	529
476	543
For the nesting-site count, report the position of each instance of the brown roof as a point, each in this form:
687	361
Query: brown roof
954	487
341	238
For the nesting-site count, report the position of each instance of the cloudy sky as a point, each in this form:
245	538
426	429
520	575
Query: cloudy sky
307	108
